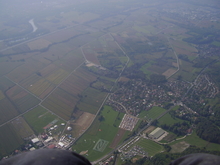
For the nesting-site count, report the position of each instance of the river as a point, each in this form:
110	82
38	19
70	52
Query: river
33	25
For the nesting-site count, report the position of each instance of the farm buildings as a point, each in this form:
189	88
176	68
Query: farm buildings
157	133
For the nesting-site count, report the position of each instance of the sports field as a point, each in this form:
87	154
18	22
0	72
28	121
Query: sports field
149	146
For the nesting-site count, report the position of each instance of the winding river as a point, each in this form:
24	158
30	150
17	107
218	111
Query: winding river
33	25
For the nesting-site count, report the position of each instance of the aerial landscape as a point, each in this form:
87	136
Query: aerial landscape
119	82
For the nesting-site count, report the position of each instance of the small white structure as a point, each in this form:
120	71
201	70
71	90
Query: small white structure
48	139
69	128
60	144
32	149
35	140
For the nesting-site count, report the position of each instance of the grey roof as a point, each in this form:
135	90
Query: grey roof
157	133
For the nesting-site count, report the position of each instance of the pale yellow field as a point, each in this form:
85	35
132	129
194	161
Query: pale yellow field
57	76
40	86
169	72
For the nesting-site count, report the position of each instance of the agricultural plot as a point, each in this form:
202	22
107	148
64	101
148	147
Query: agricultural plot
9	140
61	103
57	76
39	118
22	128
21	98
62	35
38	44
82	123
2	96
92	100
38	85
23	71
6	67
78	81
5	106
71	60
153	113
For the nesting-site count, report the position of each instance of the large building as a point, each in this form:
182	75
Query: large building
157	133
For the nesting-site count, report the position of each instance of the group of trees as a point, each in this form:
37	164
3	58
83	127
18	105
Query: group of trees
179	128
207	130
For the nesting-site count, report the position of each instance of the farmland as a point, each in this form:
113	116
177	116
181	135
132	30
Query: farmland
21	98
92	100
61	103
153	113
39	118
6	115
9	139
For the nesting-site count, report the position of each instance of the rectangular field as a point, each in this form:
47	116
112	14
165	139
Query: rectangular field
9	140
153	113
5	106
92	100
61	103
150	146
78	82
38	118
22	128
21	98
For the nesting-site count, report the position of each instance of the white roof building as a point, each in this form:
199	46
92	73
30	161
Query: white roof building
155	134
35	140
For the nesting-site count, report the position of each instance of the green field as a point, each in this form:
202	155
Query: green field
193	139
153	113
92	100
38	118
9	140
105	130
150	146
6	115
168	120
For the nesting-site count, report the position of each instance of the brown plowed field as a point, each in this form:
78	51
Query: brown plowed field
117	138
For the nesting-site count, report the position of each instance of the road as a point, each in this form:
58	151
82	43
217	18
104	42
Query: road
177	59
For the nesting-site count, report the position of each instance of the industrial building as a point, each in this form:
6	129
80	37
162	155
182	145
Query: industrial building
157	133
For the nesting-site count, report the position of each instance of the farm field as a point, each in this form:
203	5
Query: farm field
38	85
153	113
22	100
92	100
25	70
6	115
22	128
61	103
78	81
9	139
38	118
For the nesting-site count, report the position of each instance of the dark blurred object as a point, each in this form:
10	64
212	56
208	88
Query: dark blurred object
197	159
47	157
